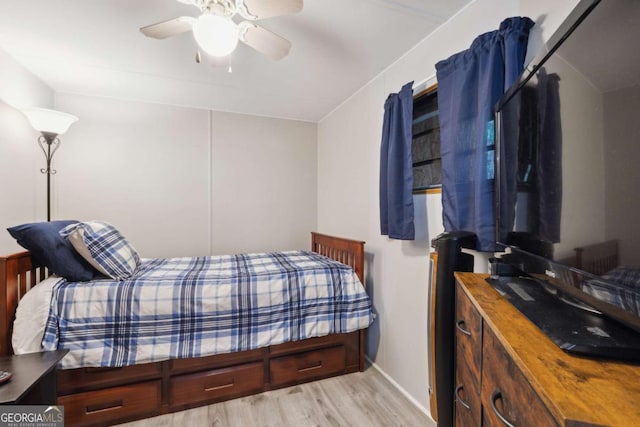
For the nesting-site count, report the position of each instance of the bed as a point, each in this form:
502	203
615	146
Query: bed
109	395
616	284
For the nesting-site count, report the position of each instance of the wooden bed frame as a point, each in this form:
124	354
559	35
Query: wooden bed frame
104	396
598	258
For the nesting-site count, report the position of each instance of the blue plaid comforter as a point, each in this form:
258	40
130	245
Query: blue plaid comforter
620	287
191	307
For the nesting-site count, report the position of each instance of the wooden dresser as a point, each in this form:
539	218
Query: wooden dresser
509	373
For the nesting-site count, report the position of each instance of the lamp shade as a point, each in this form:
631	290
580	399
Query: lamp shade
49	121
216	35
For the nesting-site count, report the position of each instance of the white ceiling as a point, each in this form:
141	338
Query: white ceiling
94	47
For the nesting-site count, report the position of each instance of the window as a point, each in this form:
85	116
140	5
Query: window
425	145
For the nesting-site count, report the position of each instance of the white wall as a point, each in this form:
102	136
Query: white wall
176	181
142	167
180	182
264	183
19	88
20	158
17	172
348	162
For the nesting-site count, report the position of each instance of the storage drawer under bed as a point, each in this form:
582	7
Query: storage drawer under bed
216	384
87	379
105	407
303	367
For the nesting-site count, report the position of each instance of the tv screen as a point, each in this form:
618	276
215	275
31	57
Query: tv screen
568	160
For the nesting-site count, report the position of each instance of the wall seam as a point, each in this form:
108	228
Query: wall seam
210	192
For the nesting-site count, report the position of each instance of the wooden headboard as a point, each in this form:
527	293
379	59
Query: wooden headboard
598	258
346	251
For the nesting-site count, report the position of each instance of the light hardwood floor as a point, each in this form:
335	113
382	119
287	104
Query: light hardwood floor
360	399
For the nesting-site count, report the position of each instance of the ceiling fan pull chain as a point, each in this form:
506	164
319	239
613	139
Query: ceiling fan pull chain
230	70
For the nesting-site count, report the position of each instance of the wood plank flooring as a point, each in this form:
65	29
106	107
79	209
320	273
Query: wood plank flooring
360	399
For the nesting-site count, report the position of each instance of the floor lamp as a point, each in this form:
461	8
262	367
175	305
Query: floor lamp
50	124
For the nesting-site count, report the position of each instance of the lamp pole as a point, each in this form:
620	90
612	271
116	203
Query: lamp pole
46	141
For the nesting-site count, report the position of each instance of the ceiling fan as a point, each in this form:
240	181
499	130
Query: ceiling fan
216	32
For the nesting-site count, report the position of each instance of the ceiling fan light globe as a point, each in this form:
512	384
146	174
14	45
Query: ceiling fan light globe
216	35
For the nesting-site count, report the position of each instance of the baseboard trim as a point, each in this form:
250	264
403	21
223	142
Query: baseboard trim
399	388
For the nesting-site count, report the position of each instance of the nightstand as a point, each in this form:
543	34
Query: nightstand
34	378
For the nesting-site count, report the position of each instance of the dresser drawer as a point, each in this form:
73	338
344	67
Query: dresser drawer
505	391
305	366
466	397
104	407
217	384
84	379
468	335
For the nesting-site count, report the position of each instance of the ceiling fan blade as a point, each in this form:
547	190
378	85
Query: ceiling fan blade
200	4
264	41
169	28
261	9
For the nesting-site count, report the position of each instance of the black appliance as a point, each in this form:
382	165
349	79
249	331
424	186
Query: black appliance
450	258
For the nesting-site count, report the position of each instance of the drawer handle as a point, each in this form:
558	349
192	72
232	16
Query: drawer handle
103	407
497	394
459	326
318	365
459	399
220	387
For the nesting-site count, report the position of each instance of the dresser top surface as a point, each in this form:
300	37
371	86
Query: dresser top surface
575	389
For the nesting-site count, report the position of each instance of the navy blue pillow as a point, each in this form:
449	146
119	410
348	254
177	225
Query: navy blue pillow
50	249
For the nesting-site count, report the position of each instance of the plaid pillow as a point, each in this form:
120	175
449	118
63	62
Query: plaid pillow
102	245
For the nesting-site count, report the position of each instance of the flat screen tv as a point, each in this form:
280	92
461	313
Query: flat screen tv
568	176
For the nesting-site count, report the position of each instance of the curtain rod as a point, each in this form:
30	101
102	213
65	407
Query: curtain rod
423	84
